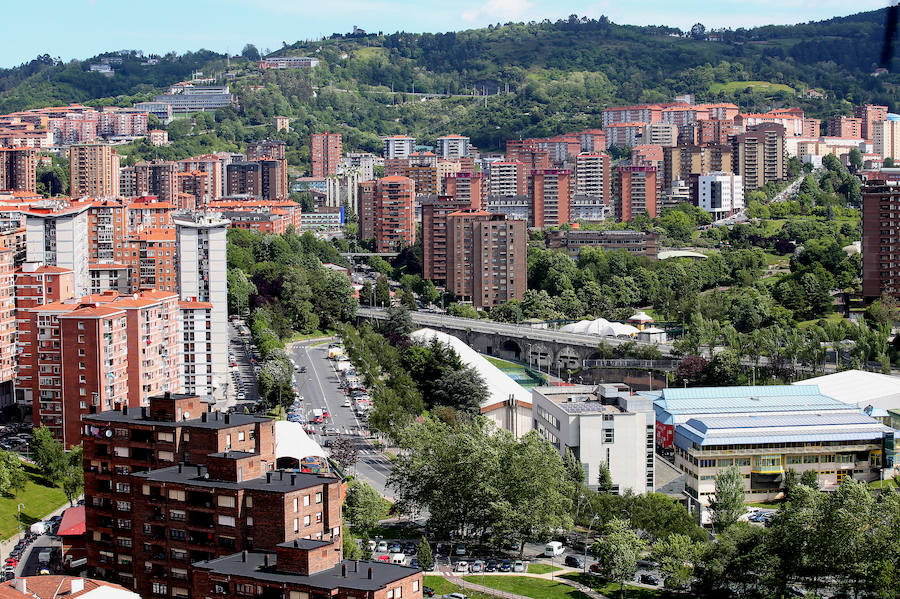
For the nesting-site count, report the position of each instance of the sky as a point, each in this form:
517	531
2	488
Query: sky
84	28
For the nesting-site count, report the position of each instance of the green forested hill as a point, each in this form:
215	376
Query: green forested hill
540	78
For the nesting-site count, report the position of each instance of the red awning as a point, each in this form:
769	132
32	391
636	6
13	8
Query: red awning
72	523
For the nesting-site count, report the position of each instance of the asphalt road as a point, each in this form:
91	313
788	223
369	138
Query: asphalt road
320	389
241	351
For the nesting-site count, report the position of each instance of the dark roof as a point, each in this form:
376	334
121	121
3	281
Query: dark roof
306	544
278	481
214	420
232	454
357	577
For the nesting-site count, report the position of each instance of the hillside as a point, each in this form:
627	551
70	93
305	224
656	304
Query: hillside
539	79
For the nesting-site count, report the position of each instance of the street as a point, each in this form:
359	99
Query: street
319	387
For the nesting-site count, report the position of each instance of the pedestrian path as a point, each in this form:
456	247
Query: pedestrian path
451	577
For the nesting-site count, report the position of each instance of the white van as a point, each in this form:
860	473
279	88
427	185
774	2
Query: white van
553	549
398	558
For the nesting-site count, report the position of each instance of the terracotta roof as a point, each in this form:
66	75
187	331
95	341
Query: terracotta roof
54	586
92	312
72	523
195	305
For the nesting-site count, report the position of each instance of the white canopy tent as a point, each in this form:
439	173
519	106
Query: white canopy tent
291	441
600	327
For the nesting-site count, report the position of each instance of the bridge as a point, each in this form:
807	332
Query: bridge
367	254
545	349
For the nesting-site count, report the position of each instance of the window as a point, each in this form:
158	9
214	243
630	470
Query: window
415	585
296	505
227	441
297	523
226	501
609	435
398	592
166	437
390	594
177	515
123	488
249	501
249	520
160	588
318	517
306	520
177	535
319	497
246	589
226	520
241	436
306	500
176	494
166	456
120	452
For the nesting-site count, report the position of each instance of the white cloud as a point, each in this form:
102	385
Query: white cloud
502	10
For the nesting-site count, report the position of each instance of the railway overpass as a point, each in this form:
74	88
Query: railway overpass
545	349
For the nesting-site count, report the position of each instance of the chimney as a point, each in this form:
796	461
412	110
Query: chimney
77	585
180	467
293	479
199	468
227	418
124	410
281	475
343	571
203	417
167	395
21	586
356	565
244	555
143	412
370	572
266	560
296	544
268	477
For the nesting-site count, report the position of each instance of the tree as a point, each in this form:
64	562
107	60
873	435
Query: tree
344	452
676	555
73	475
399	323
240	288
727	504
855	159
810	479
617	551
604	478
352	549
382	292
367	294
463	389
574	468
423	553
49	454
250	53
364	507
12	473
532	489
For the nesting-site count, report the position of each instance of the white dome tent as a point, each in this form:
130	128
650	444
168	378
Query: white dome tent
600	327
292	443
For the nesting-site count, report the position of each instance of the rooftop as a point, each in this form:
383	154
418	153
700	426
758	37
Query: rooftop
197	476
212	420
356	578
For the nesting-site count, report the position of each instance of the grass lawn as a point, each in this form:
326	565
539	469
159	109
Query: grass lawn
441	586
767	505
542	568
611	589
889	483
501	364
538	588
304	336
39	498
757	86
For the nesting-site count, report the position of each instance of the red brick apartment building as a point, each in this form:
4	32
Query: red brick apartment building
435	236
486	257
183	502
18	168
880	246
637	192
550	197
869	114
466	186
325	153
388	212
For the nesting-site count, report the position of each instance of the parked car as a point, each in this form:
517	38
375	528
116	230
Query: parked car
414	563
505	566
460	549
409	547
491	566
596	569
382	546
648	579
461	567
372	545
477	566
428	591
519	566
573	561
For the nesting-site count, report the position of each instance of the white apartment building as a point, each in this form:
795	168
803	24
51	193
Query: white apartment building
60	238
721	194
602	424
507	179
195	353
451	147
362	162
886	139
399	146
661	134
203	277
592	176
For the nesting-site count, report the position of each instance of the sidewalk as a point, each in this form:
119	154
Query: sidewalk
6	545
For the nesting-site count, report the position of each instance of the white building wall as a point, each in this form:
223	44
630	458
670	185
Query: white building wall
721	194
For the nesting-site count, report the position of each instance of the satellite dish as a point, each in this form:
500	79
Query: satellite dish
187	415
108	433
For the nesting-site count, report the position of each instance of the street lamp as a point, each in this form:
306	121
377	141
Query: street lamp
19	516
